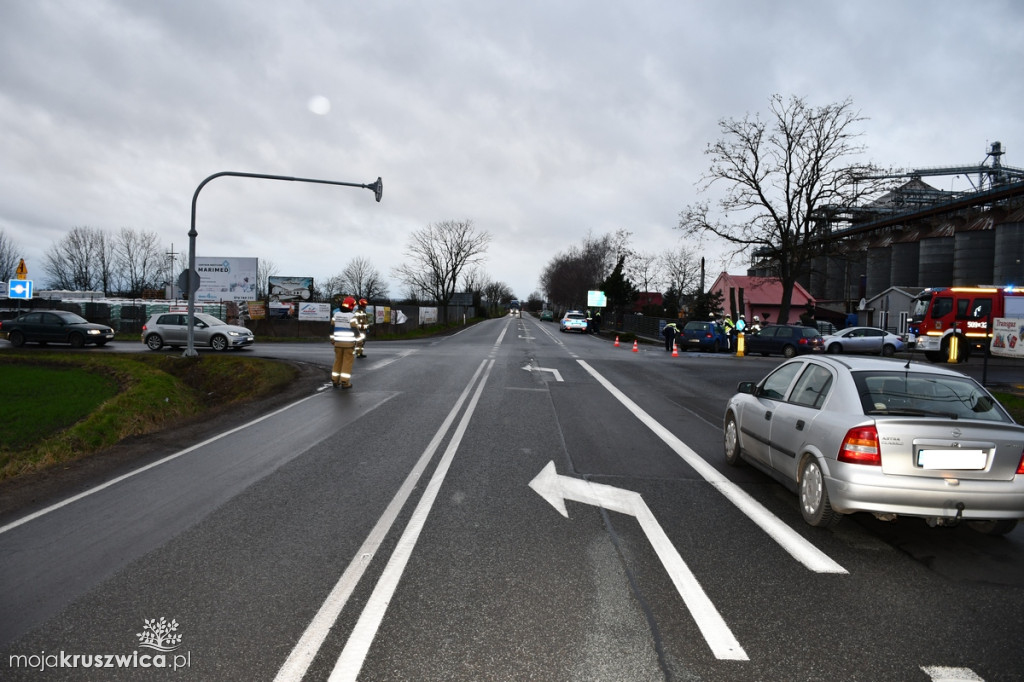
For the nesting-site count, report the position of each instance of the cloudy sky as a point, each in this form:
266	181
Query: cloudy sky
540	121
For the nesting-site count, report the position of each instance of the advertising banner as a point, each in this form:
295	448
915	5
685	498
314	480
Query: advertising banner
315	312
1008	337
290	288
428	315
226	279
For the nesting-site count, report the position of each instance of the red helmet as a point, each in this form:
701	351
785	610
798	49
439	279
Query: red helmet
362	302
349	302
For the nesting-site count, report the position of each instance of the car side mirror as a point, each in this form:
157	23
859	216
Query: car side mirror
746	387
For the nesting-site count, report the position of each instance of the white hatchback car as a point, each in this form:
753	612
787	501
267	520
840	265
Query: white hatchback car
171	329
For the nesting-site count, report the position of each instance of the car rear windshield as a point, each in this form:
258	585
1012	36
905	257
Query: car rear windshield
928	395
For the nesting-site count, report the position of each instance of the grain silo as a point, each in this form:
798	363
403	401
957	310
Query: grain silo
935	264
1008	265
974	252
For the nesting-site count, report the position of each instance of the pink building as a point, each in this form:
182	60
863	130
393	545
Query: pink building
762	296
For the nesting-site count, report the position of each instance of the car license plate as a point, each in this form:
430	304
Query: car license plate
959	459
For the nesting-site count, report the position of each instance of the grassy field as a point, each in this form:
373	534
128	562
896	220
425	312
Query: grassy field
59	407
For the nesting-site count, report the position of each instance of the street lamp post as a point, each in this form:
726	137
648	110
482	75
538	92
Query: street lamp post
190	351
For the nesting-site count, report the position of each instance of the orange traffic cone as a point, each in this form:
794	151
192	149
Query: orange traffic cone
636	349
616	341
675	350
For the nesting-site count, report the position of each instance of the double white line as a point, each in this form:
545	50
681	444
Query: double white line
358	645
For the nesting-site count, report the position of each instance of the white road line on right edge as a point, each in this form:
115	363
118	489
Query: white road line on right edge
798	547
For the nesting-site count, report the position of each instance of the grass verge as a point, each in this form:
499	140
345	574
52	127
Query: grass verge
65	407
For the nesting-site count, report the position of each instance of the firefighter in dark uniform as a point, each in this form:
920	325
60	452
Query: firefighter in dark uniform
344	338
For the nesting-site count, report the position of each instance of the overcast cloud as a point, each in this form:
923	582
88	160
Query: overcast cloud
539	121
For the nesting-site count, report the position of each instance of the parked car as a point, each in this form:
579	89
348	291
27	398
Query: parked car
573	320
857	434
787	339
171	329
709	336
547	315
863	340
55	326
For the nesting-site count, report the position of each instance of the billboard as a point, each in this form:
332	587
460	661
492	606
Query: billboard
1008	337
226	279
290	288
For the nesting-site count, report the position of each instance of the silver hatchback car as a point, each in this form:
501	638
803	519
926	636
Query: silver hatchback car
881	436
171	329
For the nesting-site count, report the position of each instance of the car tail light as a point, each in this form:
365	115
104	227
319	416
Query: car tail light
143	327
1020	467
861	447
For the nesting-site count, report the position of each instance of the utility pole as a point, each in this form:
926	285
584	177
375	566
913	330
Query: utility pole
174	294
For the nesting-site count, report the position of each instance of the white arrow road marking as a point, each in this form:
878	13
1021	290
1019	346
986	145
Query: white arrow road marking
556	489
941	674
800	549
555	372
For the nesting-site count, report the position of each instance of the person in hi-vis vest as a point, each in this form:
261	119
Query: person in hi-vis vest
364	321
344	338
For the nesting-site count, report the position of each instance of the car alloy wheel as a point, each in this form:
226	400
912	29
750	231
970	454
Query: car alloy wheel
154	342
814	504
219	343
17	339
732	441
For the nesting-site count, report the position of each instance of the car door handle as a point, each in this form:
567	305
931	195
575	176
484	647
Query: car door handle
799	424
768	415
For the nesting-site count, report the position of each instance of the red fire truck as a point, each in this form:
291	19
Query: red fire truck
938	313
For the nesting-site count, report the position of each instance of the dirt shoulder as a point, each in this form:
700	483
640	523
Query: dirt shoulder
29	493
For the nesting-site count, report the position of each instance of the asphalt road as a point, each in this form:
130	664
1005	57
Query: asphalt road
412	529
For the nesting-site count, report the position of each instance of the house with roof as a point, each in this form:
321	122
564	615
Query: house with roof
889	310
762	296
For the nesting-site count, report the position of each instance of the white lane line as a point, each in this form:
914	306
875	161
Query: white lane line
384	363
152	465
305	650
939	673
358	645
800	549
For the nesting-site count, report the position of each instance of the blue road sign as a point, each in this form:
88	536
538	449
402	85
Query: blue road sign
20	288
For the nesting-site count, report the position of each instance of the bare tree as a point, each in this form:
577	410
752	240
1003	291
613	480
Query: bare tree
644	268
783	178
8	257
437	256
681	272
362	280
568	276
497	294
74	262
139	260
265	269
